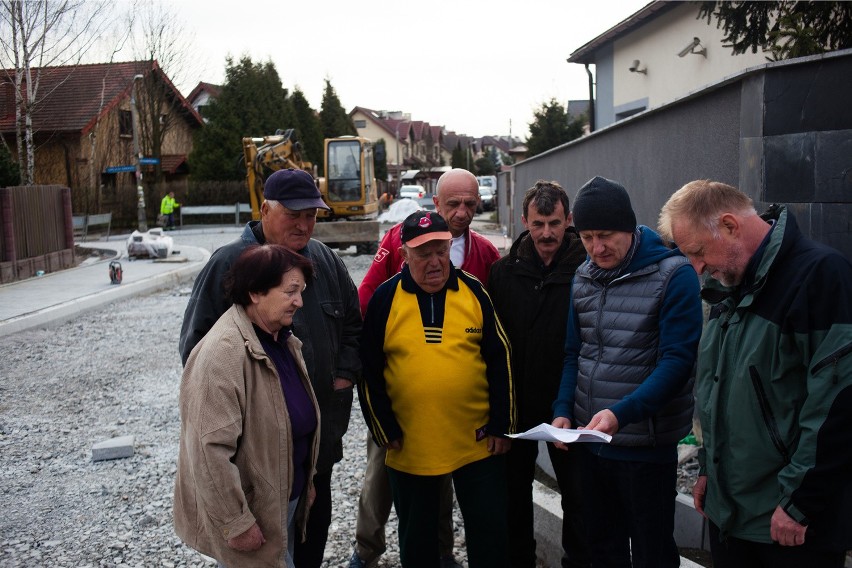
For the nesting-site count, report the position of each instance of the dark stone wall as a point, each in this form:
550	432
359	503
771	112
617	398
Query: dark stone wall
781	133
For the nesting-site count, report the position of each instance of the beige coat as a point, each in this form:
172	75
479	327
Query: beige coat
235	464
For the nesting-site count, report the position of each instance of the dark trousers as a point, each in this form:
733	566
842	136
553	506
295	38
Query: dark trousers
481	492
737	553
520	472
309	554
629	507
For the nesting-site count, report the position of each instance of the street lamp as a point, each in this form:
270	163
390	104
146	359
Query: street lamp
398	163
140	192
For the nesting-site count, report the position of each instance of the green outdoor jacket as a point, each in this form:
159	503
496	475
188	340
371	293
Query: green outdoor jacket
774	392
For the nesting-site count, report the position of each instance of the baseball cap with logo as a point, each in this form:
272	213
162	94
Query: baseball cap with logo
294	189
424	226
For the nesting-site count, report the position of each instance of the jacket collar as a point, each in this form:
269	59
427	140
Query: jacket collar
410	286
784	232
570	255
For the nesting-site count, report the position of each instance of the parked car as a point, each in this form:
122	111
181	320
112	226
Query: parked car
486	198
411	192
426	203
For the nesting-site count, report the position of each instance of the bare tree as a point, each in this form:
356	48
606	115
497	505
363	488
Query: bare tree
35	34
159	36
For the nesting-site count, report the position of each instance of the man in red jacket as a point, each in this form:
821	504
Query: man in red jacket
456	200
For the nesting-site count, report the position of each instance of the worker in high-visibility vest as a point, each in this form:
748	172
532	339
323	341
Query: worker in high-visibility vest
167	210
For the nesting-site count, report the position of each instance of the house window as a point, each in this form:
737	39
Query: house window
628	113
360	124
629	109
125	123
108	186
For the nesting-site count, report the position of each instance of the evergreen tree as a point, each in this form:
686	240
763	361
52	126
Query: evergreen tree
484	166
457	158
334	120
552	127
252	103
333	117
784	28
309	130
496	159
10	174
380	160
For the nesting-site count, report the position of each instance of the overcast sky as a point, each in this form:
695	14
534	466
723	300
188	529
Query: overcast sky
468	65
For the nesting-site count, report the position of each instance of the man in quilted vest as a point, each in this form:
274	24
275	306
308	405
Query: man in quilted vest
634	322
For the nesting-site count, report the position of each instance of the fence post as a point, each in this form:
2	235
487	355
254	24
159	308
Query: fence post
7	214
237	214
69	223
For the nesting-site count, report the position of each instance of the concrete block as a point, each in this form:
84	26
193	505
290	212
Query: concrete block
121	447
690	526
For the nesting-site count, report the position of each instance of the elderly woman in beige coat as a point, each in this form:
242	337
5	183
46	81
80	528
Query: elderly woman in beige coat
249	420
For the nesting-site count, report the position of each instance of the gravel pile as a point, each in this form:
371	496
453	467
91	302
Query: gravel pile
115	372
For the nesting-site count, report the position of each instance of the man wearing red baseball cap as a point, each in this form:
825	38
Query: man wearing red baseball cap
437	393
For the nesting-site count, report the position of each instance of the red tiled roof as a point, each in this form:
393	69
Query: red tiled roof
72	98
417	129
201	87
171	162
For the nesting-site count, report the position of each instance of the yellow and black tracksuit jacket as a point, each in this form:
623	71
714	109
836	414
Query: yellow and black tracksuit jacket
436	373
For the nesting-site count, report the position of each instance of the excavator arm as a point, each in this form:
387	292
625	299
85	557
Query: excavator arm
273	153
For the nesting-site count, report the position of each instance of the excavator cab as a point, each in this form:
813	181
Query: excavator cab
349	187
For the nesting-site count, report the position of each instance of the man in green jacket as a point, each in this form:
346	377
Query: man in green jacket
774	381
167	210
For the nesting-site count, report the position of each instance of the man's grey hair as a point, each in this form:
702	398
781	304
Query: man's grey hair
701	203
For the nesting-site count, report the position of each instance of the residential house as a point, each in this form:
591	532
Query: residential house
201	96
84	130
453	141
409	144
657	55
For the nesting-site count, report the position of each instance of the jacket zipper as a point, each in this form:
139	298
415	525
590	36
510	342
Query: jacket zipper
832	359
598	320
768	417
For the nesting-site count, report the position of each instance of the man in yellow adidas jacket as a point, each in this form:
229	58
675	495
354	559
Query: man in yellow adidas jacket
438	394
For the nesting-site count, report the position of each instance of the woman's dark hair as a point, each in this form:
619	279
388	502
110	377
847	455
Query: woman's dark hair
260	268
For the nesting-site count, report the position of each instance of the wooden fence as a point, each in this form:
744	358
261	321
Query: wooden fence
36	232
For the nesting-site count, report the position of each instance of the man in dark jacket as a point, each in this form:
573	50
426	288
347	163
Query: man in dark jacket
774	382
328	324
630	346
531	289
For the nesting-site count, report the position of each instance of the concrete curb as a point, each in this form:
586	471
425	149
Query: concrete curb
690	526
547	511
54	316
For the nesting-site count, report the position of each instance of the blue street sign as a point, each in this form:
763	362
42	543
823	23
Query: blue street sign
118	169
149	161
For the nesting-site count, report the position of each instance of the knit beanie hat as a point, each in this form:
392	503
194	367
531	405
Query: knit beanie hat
603	205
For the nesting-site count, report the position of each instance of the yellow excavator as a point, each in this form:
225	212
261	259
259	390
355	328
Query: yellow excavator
349	188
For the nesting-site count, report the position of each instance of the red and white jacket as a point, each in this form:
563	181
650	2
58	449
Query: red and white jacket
479	255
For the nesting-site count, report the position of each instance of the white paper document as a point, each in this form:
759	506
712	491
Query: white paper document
548	433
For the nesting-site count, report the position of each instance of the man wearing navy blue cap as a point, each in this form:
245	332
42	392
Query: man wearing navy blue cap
329	324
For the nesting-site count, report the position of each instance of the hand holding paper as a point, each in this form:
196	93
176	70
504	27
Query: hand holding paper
547	433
